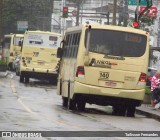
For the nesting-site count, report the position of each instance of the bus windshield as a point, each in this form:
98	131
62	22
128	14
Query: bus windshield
117	43
7	42
41	40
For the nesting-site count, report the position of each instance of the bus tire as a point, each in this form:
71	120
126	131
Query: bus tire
53	81
21	78
65	101
131	111
119	110
81	105
72	104
26	79
10	68
17	72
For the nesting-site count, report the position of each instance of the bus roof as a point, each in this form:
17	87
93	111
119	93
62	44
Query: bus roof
11	34
44	32
109	27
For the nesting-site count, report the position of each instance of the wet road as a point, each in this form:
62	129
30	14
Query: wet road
36	107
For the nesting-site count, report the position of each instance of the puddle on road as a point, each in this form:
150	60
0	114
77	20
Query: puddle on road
87	110
40	84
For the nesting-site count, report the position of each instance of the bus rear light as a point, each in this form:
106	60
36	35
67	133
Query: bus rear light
11	54
80	72
142	77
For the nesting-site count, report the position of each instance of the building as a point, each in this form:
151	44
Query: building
90	11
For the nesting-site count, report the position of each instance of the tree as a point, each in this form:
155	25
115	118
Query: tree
36	12
148	20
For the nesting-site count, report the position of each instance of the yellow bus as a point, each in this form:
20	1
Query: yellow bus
11	47
38	57
103	65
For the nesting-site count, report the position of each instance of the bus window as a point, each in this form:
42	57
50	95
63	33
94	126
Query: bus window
53	38
7	42
117	43
41	40
16	40
77	44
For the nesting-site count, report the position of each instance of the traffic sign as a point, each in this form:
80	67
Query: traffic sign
152	11
143	2
22	25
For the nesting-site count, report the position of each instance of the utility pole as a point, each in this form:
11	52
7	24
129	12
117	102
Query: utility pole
114	12
52	8
1	20
136	12
78	8
101	12
125	13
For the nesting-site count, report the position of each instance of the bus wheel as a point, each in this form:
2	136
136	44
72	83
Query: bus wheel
119	110
10	68
27	79
81	105
65	101
131	111
17	72
53	81
21	78
72	104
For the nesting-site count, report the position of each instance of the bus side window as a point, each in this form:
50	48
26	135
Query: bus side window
77	44
2	43
69	45
20	43
64	47
73	45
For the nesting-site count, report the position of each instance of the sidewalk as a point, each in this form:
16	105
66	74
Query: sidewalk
148	111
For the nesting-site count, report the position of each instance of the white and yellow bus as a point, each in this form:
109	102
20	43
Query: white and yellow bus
11	47
38	59
103	65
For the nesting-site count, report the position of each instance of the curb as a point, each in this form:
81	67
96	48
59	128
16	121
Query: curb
149	112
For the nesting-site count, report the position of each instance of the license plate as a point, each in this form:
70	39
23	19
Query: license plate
111	84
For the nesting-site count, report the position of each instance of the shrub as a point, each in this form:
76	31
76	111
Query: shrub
148	90
2	62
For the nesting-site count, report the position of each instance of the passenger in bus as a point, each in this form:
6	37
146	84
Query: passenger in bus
155	89
103	48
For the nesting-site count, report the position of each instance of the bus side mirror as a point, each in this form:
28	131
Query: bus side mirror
59	52
20	43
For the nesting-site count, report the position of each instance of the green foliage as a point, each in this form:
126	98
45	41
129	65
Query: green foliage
147	20
147	90
33	11
2	62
